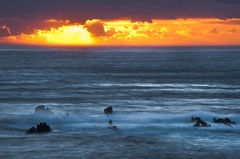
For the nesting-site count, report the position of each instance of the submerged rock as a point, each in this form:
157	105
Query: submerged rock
113	128
195	118
31	130
42	110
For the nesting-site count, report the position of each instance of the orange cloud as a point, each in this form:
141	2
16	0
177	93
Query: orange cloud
213	31
232	31
125	32
65	35
56	21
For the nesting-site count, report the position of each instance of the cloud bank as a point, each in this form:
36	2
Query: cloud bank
26	16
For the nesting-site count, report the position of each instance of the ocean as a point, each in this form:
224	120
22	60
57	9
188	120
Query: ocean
154	93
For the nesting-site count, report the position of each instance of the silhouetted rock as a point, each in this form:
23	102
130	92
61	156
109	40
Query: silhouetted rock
42	110
41	128
32	130
108	110
200	122
225	121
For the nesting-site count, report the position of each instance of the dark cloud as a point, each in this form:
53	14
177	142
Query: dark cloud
27	15
229	1
82	10
95	27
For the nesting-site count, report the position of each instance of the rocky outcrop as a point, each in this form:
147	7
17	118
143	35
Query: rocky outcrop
199	122
42	110
225	121
40	128
108	110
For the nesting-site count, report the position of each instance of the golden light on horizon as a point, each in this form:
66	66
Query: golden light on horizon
124	32
67	35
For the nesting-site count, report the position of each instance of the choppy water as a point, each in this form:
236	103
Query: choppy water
154	92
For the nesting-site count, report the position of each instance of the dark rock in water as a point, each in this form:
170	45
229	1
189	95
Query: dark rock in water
113	128
200	122
225	121
32	130
41	128
42	110
108	110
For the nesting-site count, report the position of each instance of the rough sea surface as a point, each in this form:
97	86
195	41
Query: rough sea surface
154	92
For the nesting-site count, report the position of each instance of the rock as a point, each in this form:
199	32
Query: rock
225	121
200	122
42	110
113	128
41	128
108	110
31	130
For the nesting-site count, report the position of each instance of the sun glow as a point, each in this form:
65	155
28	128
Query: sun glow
124	32
67	35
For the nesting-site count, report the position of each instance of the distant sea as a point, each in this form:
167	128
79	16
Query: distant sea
154	92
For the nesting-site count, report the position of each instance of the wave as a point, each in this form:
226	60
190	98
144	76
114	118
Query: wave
127	122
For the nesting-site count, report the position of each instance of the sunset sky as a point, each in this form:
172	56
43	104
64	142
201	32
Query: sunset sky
120	22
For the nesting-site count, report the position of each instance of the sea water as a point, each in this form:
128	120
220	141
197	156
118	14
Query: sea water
154	92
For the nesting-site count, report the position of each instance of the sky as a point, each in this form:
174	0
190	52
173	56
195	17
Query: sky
120	22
